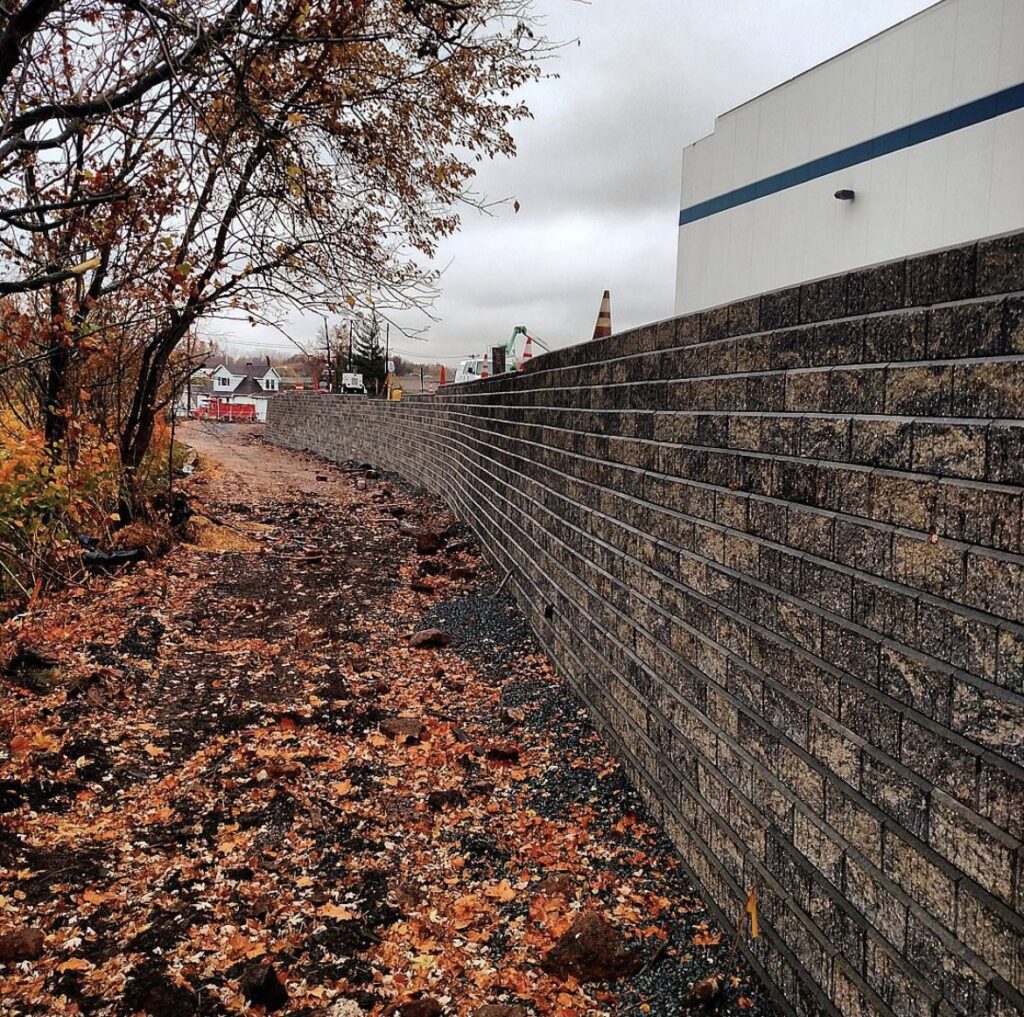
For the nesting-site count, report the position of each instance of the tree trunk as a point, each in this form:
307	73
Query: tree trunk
141	422
55	407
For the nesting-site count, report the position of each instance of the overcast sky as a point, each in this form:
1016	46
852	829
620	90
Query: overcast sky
597	174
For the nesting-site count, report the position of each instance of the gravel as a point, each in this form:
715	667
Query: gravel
489	632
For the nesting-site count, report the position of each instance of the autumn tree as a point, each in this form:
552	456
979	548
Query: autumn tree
165	162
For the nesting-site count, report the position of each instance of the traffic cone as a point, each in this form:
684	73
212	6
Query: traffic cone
485	371
603	328
527	352
443	379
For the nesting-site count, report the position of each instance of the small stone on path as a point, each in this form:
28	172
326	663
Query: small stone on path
402	728
261	987
503	752
426	638
425	1007
556	886
22	945
591	951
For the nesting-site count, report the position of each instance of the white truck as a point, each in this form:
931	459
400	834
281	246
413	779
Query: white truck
352	384
472	368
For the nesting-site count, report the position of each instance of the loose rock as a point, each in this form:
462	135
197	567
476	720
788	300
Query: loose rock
591	951
425	1007
22	945
704	993
426	638
557	886
261	986
403	729
429	541
503	752
346	1008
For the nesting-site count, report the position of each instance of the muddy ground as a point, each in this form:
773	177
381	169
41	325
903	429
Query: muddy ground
235	786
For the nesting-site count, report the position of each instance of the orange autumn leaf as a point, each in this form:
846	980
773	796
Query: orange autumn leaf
503	891
75	964
335	911
465	911
706	938
20	745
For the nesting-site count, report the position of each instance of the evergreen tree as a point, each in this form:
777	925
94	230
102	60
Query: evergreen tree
368	357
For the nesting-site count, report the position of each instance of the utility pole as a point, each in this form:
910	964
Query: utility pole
421	379
350	345
387	359
188	380
330	364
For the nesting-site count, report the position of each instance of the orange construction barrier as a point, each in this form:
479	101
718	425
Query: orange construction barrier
527	352
603	328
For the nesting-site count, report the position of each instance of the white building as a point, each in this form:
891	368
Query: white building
924	123
233	388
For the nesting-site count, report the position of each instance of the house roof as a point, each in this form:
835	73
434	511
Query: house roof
248	386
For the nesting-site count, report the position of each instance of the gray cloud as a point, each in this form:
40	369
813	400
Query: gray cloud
597	173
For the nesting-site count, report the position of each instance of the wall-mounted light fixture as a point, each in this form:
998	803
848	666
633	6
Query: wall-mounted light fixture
845	194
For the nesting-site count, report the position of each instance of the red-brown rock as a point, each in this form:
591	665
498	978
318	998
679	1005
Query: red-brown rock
429	541
556	886
503	752
426	638
704	993
592	951
425	1007
404	729
22	945
261	987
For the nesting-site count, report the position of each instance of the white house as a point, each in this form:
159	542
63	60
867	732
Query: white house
224	382
909	142
270	381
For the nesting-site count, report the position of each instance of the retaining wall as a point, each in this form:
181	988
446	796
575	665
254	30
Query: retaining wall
777	549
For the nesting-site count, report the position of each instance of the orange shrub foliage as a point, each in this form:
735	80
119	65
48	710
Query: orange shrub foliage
44	503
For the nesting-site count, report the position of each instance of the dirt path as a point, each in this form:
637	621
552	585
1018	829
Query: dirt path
243	785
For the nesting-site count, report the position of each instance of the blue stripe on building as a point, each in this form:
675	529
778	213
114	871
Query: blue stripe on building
976	112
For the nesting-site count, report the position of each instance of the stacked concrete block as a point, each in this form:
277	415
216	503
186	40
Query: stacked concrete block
776	548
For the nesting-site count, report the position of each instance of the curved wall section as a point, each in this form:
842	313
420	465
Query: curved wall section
780	543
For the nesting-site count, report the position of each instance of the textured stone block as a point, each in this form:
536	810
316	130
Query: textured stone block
973	845
876	289
780	309
823	299
1001	264
941	277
